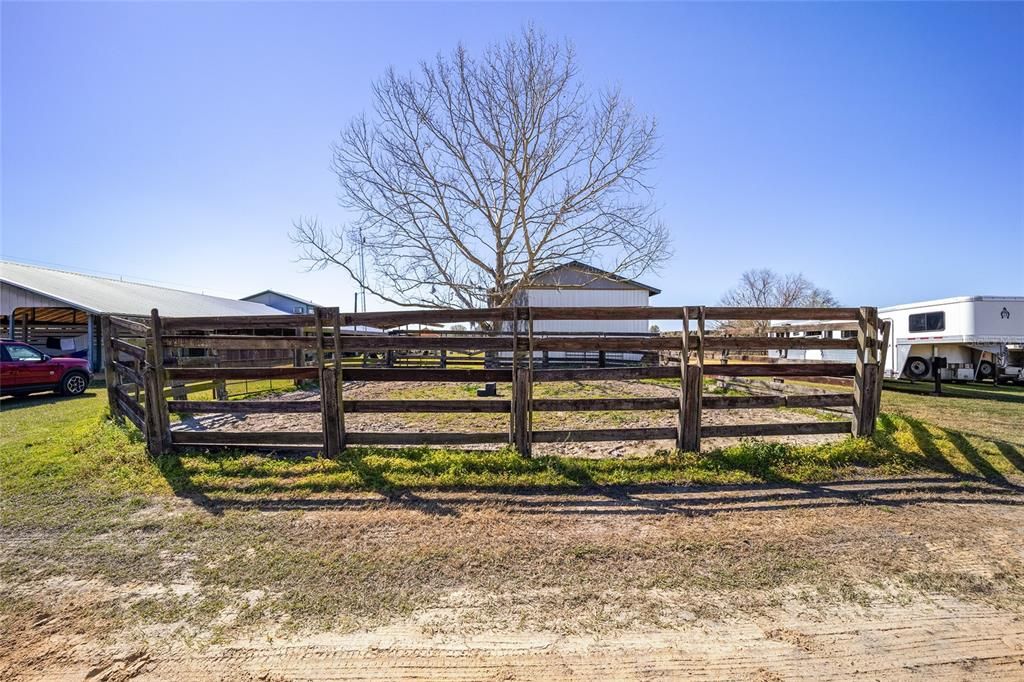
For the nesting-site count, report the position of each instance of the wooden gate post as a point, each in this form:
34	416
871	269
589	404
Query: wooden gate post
108	367
865	382
158	419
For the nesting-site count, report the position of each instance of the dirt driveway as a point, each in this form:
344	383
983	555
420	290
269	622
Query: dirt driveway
918	578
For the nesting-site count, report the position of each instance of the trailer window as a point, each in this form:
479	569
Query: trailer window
849	334
928	322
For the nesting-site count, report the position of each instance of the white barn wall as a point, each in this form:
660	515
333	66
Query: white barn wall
569	298
285	304
15	297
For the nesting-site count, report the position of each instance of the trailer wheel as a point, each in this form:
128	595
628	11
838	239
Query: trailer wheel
986	370
918	367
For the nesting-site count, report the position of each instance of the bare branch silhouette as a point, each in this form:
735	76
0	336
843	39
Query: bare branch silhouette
473	174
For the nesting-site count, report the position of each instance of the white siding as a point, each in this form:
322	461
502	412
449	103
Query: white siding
568	298
12	297
285	304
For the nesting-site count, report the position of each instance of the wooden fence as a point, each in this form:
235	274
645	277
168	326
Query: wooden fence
140	364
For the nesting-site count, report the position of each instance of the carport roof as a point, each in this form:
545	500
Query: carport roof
104	295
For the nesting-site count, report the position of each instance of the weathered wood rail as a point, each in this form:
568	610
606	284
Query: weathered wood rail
143	360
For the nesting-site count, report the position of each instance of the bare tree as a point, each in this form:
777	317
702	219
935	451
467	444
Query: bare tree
474	174
765	288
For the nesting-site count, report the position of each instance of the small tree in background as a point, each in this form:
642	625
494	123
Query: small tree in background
476	172
765	288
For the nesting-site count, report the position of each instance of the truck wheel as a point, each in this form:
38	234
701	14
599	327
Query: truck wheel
74	383
986	370
918	367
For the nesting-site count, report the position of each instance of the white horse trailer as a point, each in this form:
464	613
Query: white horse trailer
980	337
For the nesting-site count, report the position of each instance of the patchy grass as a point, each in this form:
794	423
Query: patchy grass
902	445
983	410
66	446
81	504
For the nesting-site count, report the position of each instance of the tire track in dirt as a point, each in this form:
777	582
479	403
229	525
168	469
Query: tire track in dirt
941	639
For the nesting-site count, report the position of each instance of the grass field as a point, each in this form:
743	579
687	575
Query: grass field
995	412
181	552
46	441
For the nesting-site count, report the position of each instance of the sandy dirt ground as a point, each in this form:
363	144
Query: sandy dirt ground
966	622
425	423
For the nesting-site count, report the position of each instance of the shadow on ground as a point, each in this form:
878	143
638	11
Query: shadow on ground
1002	393
20	402
954	472
652	499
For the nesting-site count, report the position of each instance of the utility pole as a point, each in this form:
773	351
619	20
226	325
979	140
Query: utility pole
362	269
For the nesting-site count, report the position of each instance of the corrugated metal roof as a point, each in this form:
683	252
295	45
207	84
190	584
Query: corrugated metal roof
104	295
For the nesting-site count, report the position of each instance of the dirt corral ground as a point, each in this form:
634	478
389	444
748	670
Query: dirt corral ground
498	422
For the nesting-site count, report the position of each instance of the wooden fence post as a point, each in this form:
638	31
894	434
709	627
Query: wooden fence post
220	387
521	410
158	424
338	377
694	379
684	360
865	382
328	390
108	367
695	390
883	352
522	378
329	412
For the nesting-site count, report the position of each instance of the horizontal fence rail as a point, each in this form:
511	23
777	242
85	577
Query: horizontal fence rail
154	365
388	320
505	343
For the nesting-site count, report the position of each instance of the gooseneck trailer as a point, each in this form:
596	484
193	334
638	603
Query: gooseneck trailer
979	337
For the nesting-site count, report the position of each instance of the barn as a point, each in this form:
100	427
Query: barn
286	303
58	311
576	284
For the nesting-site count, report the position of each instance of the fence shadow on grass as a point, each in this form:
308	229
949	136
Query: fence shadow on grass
644	500
363	479
1002	393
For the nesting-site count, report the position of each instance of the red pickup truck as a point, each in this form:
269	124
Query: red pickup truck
24	369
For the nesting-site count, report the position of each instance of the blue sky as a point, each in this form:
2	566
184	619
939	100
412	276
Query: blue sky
877	148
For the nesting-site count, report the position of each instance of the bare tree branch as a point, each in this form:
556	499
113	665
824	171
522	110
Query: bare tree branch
764	288
473	174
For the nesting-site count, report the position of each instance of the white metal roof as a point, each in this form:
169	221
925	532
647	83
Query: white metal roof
104	295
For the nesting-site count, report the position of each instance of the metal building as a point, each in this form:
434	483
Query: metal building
58	311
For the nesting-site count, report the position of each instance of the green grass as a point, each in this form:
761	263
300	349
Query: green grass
80	500
983	410
52	446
